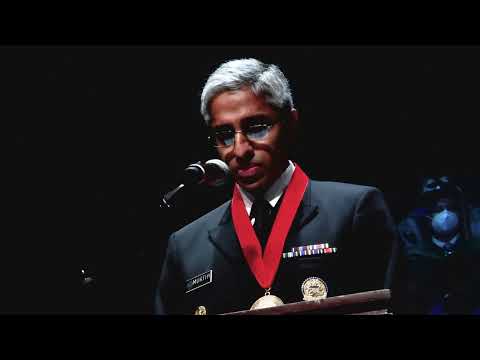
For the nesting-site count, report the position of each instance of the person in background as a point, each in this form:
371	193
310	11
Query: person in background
441	252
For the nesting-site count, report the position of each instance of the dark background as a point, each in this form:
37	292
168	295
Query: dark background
97	133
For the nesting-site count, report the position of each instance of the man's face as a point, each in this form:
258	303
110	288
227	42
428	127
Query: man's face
255	165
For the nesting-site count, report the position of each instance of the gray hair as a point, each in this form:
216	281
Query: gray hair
263	79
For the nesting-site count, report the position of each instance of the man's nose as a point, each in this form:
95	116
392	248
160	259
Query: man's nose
242	148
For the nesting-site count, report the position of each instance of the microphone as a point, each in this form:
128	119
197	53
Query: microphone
213	172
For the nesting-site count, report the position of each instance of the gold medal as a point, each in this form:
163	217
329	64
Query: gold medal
201	310
267	301
314	288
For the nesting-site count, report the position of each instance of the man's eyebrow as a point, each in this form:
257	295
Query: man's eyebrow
224	127
256	119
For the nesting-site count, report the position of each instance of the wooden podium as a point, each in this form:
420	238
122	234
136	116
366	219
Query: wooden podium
365	303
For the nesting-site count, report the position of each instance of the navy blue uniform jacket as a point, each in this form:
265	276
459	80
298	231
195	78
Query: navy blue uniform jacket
352	218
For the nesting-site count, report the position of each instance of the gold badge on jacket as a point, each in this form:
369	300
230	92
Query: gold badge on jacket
201	310
314	288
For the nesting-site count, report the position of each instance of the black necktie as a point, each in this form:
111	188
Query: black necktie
263	214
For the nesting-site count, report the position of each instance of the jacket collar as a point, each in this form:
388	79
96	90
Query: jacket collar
225	239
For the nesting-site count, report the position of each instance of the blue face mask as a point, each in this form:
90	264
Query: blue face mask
445	223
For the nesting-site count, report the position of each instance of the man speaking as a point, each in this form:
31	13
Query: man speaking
282	237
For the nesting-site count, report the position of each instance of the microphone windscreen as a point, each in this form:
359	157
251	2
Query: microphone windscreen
193	174
217	172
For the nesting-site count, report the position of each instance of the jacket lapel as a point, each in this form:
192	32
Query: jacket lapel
224	238
306	211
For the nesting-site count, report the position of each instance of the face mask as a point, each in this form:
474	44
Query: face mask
445	223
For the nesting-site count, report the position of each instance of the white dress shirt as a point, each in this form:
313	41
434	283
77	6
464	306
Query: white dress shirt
273	194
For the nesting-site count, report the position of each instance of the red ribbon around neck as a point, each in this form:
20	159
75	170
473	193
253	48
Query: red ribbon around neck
265	267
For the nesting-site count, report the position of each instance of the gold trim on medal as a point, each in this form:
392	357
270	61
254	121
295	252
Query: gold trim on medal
267	301
314	288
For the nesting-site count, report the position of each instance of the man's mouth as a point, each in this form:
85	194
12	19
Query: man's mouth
248	171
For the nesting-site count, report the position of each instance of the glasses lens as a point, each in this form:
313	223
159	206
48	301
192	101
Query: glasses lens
226	138
257	132
223	138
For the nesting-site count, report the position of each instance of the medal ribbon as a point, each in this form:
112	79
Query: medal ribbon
265	267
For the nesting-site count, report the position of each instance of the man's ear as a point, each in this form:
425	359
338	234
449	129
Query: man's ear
294	123
294	114
292	130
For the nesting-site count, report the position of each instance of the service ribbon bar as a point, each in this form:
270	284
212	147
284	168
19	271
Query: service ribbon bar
309	250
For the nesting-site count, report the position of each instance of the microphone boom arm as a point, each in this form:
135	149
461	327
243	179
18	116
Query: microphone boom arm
164	204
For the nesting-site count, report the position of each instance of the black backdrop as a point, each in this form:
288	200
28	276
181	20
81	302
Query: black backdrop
97	133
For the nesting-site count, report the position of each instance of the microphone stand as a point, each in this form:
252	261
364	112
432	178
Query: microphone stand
165	203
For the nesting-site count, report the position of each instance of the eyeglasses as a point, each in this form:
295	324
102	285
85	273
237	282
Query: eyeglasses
226	138
434	184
